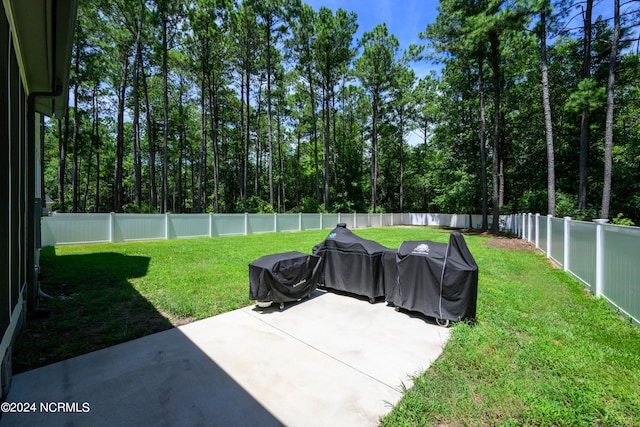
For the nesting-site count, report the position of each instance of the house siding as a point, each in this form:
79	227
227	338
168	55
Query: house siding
13	196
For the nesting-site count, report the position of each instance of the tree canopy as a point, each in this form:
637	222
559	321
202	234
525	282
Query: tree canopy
272	106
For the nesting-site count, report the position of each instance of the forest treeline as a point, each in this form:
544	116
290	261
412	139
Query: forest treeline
272	106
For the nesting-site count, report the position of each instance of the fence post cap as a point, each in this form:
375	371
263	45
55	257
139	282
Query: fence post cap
601	220
568	218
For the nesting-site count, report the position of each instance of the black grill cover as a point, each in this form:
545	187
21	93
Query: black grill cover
283	277
351	264
436	279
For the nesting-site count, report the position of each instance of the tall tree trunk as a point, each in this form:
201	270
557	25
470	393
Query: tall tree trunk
179	194
314	124
374	153
91	144
334	142
259	153
193	181
269	116
247	132
97	206
282	198
483	145
401	195
495	61
203	136
76	133
608	136
214	109
97	121
151	137
118	196
137	158
43	191
327	142
298	140
63	137
546	105
245	144
585	122
165	107
178	200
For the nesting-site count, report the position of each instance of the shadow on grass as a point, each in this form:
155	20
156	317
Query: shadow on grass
93	306
160	379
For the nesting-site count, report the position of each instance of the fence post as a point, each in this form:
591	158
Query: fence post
600	254
166	226
549	234
567	242
299	221
246	223
112	226
321	221
210	224
537	222
275	222
355	221
530	231
339	216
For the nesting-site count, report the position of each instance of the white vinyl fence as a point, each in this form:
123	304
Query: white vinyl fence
68	228
603	256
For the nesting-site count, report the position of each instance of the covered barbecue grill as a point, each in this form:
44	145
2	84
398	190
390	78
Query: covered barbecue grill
436	279
351	264
283	277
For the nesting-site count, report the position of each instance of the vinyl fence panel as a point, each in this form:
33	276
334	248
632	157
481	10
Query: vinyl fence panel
542	234
557	240
130	227
582	251
64	229
621	284
602	256
288	222
228	225
192	225
311	221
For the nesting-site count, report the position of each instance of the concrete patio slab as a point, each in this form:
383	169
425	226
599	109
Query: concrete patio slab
332	360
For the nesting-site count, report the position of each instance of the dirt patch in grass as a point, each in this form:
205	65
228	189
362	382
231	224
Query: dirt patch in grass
502	241
513	243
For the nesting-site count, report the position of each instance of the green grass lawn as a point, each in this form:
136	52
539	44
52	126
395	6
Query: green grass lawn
543	352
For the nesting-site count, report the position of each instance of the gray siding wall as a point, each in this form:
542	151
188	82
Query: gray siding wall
13	200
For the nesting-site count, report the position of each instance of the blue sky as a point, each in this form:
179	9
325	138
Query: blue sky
404	19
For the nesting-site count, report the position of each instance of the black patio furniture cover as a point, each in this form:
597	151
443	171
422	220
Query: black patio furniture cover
351	264
283	277
436	279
